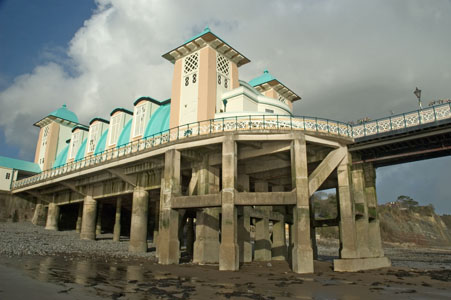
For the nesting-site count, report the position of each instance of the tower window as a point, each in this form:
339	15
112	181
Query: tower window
191	63
8	176
222	65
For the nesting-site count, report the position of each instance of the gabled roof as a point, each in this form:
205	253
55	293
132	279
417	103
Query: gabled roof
202	39
19	164
121	109
61	115
266	81
100	120
150	99
81	127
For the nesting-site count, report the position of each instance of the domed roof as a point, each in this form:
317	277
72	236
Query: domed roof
64	113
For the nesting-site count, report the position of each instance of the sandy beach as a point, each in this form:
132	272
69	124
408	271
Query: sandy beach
50	267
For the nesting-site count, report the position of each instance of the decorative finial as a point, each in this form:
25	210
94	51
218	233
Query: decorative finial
265	71
207	28
64	105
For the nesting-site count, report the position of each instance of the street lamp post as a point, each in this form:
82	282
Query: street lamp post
417	93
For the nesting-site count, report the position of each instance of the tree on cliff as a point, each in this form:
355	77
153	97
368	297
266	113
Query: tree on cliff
406	201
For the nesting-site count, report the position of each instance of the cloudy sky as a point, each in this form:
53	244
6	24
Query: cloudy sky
347	60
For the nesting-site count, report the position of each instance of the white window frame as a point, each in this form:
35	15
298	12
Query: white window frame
115	129
94	136
139	119
75	143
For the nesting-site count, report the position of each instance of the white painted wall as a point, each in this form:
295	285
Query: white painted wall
5	180
189	93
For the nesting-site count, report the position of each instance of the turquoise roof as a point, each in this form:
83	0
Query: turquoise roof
159	121
81	151
100	147
124	138
206	30
18	164
61	157
264	78
64	113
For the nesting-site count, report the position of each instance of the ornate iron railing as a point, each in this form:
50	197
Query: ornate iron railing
248	123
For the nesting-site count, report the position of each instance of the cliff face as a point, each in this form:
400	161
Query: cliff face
419	225
13	208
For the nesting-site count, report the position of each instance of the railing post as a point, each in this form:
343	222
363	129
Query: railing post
391	125
178	132
264	125
435	116
198	128
316	123
419	117
210	125
236	123
278	127
364	129
377	126
222	124
327	124
404	117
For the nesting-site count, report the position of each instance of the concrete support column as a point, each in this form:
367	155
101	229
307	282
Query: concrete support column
206	246
168	242
348	246
279	243
138	227
228	251
190	236
99	219
117	221
79	217
302	253
156	215
53	216
244	223
88	221
361	211
39	217
374	233
262	237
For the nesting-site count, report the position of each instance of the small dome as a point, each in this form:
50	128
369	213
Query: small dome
64	113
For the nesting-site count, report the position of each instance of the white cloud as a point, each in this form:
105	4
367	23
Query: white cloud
347	59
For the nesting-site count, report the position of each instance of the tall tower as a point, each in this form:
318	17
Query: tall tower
204	68
55	130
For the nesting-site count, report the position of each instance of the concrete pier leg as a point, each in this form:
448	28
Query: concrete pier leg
79	217
244	234
374	233
361	211
228	250
302	253
348	246
244	223
313	229
206	246
279	243
88	221
138	227
190	236
99	219
262	237
156	215
168	242
117	221
39	217
53	216
376	259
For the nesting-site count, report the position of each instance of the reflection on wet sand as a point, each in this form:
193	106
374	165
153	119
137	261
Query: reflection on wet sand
142	280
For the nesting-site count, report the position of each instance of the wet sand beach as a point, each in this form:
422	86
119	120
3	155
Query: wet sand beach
73	274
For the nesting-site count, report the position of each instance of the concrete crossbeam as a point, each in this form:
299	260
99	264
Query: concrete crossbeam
197	201
266	198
